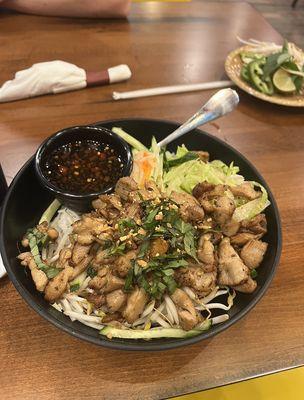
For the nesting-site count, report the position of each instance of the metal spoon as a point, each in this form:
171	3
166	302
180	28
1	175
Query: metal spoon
221	103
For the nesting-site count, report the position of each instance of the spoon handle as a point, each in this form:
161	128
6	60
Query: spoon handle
223	102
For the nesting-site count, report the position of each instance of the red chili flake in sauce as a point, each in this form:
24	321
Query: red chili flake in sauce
83	166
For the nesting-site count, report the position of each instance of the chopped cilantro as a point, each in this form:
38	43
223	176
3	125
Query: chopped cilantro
253	273
91	271
75	287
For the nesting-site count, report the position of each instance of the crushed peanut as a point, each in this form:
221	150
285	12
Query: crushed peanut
159	216
142	263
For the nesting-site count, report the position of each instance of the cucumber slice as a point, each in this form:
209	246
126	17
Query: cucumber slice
50	212
111	332
136	144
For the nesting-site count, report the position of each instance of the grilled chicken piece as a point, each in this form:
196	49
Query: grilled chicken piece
91	224
246	189
64	258
183	198
189	208
39	277
230	227
133	211
215	237
256	225
231	269
81	266
192	213
95	298
159	246
223	208
197	278
102	258
108	206
203	155
115	300
201	189
88	227
106	283
105	200
207	194
103	271
97	282
113	318
113	283
85	238
123	263
242	238
57	286
253	252
187	314
125	186
79	252
135	305
207	205
205	252
149	192
208	190
248	286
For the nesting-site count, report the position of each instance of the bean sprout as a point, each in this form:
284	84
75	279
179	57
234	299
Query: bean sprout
219	319
173	310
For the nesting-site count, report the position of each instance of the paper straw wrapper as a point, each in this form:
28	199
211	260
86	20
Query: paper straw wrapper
171	89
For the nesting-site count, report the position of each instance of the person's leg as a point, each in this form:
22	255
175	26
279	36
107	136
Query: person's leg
71	8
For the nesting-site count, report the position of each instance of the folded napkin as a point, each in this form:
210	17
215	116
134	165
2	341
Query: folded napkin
2	269
57	77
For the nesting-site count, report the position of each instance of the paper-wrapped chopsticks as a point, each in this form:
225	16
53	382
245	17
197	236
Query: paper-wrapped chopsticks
57	77
171	89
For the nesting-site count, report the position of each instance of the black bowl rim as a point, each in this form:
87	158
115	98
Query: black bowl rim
148	346
50	139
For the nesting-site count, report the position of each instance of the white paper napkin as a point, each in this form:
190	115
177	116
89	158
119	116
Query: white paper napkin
2	269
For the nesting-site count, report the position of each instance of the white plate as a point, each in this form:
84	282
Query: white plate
2	269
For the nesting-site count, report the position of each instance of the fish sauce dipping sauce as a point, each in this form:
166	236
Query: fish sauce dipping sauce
77	164
83	166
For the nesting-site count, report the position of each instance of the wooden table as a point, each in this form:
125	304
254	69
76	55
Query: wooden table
163	44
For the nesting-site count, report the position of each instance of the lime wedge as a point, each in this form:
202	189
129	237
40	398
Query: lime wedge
283	82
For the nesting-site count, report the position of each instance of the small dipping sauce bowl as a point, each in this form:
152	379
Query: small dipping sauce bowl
80	163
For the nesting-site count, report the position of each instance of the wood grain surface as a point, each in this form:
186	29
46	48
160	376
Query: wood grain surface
163	44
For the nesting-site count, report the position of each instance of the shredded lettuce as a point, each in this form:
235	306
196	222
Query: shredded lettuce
180	152
253	207
185	176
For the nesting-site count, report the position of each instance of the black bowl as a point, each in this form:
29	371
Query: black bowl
81	202
26	200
